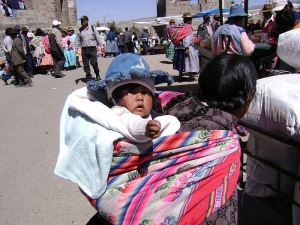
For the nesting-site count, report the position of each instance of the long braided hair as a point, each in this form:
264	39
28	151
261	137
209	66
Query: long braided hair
226	82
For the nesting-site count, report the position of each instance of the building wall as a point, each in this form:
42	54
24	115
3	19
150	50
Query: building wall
63	10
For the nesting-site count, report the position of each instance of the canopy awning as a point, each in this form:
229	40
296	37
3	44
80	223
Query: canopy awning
210	12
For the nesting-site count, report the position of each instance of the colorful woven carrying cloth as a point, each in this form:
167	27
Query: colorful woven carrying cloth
177	179
179	32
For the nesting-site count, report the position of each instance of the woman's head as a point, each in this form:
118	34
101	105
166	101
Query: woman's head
286	18
228	82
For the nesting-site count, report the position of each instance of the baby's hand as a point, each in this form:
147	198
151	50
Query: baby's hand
152	129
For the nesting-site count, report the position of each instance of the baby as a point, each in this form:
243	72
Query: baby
130	90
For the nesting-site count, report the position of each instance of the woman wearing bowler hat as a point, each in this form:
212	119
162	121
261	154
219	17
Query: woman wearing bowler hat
185	58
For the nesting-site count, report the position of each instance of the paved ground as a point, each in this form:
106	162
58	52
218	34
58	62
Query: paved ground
30	193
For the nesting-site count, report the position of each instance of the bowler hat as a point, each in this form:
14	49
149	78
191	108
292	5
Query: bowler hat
17	27
278	5
172	21
267	8
187	15
39	31
13	31
24	29
64	30
83	18
237	10
217	15
206	16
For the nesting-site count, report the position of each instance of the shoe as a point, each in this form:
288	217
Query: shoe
5	81
58	75
98	77
28	84
88	77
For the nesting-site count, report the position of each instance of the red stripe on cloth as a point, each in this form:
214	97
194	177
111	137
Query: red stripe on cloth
201	198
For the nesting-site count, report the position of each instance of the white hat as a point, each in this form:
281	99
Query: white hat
278	5
56	22
146	28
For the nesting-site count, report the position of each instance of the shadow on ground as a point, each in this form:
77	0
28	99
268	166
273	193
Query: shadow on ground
166	62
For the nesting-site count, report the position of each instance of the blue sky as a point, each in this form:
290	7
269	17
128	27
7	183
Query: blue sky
124	9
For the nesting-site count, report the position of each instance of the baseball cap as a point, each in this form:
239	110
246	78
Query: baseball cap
278	5
83	18
56	22
17	27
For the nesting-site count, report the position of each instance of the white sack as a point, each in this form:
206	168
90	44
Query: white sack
288	48
258	174
276	105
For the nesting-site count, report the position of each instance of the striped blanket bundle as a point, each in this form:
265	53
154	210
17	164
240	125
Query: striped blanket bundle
177	179
178	32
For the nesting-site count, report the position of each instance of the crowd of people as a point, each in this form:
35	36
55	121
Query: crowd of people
41	52
8	8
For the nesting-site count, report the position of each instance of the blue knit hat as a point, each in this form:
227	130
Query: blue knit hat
129	68
237	10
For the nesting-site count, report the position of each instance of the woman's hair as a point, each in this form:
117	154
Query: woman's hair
233	20
286	18
227	82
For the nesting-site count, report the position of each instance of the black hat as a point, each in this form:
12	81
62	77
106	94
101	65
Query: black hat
39	31
13	31
83	18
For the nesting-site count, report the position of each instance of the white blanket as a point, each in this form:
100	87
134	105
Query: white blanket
85	152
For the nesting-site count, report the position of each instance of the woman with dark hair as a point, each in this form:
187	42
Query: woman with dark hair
111	44
231	38
226	88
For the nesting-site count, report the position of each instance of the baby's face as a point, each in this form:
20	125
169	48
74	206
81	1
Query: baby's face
138	101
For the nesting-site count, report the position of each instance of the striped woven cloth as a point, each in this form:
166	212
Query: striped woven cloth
178	179
178	32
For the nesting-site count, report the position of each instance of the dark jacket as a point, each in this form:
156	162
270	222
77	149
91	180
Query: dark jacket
17	54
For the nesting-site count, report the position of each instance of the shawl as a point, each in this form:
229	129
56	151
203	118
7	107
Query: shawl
234	31
177	179
179	32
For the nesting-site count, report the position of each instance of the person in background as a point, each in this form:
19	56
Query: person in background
7	45
265	23
287	19
75	41
231	38
216	22
54	38
145	37
88	40
111	44
38	52
47	63
19	58
170	47
128	41
69	53
186	58
103	47
121	43
204	29
28	66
